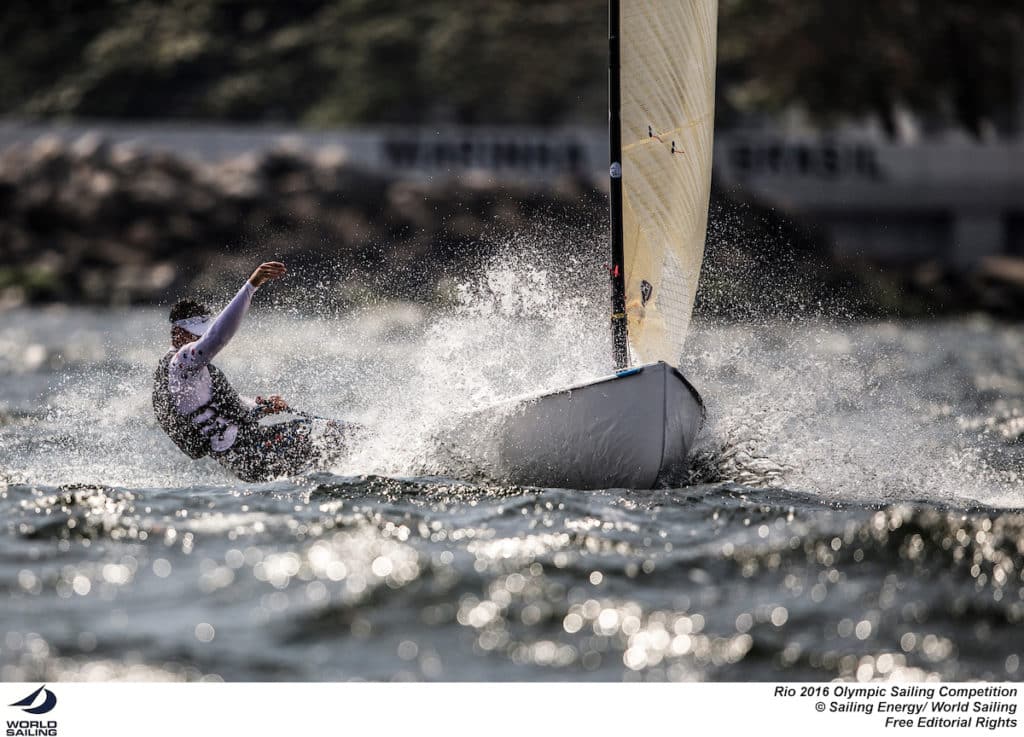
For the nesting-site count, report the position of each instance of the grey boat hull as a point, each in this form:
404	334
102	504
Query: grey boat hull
628	430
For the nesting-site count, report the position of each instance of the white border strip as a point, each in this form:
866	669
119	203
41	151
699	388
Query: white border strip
512	710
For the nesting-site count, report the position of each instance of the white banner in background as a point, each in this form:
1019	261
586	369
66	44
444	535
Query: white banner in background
500	710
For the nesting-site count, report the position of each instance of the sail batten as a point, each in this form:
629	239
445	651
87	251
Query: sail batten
666	64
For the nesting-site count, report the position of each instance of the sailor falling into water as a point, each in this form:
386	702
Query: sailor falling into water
200	411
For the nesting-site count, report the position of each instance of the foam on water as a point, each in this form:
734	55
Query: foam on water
861	412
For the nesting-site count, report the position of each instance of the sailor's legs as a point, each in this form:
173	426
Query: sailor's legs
265	452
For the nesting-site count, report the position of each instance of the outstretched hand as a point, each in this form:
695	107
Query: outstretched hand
272	405
266	272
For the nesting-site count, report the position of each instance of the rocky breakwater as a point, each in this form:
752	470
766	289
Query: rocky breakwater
91	222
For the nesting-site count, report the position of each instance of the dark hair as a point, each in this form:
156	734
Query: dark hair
186	308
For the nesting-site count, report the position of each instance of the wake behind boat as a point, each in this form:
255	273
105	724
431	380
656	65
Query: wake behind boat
637	426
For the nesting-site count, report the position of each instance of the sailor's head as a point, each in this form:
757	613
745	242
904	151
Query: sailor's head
189	320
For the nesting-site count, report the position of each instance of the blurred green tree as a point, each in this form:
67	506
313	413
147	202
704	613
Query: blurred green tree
325	62
951	61
316	61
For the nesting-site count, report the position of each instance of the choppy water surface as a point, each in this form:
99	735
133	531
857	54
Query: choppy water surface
855	510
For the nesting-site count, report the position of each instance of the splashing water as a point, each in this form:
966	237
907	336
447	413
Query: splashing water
803	404
871	411
854	505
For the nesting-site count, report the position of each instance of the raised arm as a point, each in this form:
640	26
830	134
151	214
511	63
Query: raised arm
219	334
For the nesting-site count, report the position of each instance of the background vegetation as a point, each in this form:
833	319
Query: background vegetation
329	62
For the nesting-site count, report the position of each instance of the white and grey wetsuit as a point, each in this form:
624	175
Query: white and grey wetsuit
188	375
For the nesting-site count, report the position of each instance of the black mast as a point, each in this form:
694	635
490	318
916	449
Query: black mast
618	278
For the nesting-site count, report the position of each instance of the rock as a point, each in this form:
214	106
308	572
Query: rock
91	147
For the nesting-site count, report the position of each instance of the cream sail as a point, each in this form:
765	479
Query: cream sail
667	77
633	428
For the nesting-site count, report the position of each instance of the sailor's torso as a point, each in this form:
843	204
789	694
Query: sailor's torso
190	389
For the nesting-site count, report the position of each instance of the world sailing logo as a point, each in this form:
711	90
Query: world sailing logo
49	701
32	705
